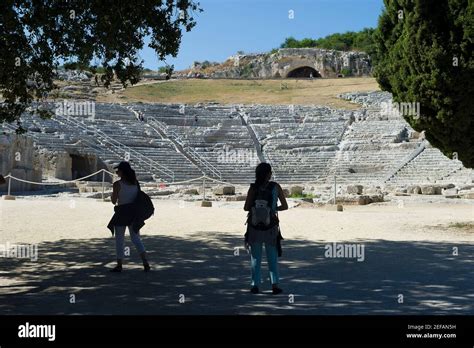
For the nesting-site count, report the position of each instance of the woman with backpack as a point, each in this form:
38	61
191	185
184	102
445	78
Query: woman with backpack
127	213
263	225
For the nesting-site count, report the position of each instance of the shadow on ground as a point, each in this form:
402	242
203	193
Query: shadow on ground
215	281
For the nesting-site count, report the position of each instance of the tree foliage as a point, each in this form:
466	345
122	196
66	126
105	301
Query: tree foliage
36	35
424	55
350	41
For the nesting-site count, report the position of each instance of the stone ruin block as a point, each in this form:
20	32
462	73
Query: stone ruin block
296	190
450	192
430	190
355	189
224	190
469	195
18	158
191	191
238	198
414	189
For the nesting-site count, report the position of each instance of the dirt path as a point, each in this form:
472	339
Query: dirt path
193	251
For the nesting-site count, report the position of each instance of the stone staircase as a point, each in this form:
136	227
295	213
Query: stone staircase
429	167
206	167
107	145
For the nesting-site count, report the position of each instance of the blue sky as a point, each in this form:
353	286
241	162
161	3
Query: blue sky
252	26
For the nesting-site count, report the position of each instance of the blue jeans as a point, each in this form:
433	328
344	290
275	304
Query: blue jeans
256	261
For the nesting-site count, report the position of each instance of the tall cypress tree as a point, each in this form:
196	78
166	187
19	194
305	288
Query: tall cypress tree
424	54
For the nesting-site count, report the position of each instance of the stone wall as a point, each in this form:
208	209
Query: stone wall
71	164
17	156
56	164
23	160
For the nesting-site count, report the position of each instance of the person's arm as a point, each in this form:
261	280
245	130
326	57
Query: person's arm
281	196
249	200
115	192
2	180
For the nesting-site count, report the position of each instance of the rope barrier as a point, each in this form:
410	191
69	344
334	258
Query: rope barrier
204	177
201	178
58	183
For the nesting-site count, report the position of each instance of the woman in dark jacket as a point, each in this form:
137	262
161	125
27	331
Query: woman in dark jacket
263	225
124	193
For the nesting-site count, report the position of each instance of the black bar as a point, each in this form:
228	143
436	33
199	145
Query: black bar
240	330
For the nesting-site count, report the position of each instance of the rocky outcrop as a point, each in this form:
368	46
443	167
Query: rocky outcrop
73	75
285	63
350	199
56	164
17	157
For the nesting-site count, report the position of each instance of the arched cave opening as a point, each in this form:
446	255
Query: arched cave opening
82	166
303	72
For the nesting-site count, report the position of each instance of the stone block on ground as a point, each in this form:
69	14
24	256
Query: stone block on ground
397	193
355	189
192	191
224	190
430	190
160	193
372	190
363	200
237	198
376	198
469	195
296	190
414	189
450	192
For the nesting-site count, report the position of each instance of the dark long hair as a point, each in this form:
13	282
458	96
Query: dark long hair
128	174
261	173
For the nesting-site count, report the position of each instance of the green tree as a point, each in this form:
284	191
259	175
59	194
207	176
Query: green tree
76	65
357	41
290	42
424	55
163	69
35	36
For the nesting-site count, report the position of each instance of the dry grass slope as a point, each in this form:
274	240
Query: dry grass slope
288	91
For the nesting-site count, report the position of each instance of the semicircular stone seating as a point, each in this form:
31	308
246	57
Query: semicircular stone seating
303	143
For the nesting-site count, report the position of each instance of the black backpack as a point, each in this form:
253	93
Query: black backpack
145	205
